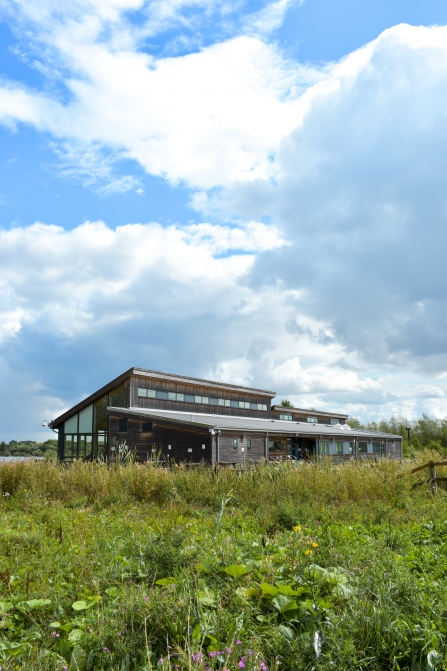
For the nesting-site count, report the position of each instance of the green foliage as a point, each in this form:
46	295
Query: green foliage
286	403
426	432
284	566
29	448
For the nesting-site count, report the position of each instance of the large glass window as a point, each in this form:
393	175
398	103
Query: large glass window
71	447
339	446
71	425
116	399
363	447
312	420
324	447
85	446
334	421
86	420
286	417
378	448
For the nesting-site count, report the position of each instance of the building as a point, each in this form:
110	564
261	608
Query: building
187	419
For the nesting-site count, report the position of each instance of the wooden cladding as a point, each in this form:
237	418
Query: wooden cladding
196	390
165	442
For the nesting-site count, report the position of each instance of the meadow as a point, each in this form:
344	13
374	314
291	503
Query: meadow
284	566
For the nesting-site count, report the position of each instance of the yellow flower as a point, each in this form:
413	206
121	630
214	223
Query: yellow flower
308	552
314	545
297	528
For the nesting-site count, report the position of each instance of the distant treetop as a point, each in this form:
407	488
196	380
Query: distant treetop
286	403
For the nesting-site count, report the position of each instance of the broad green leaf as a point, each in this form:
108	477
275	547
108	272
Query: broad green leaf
287	590
86	604
207	599
13	648
287	632
283	602
268	590
253	591
78	659
166	581
112	591
75	635
196	633
5	607
236	570
37	603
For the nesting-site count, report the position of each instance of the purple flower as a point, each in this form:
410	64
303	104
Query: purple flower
213	653
263	666
250	652
239	642
160	661
197	658
241	664
107	649
229	650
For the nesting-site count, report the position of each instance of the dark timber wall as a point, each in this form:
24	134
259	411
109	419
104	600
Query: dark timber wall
159	439
197	390
241	454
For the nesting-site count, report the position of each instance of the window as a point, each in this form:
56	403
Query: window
351	447
71	447
363	448
248	443
172	396
85	447
141	392
151	393
312	420
86	420
116	397
197	399
235	443
213	401
189	398
324	447
162	395
247	406
286	417
378	448
205	400
71	425
339	446
181	397
334	421
122	424
147	427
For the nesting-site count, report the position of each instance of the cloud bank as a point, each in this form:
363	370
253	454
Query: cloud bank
320	269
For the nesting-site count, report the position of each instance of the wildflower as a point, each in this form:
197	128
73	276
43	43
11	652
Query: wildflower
241	663
106	650
250	652
229	650
263	666
213	653
308	552
297	528
239	642
160	661
314	545
197	658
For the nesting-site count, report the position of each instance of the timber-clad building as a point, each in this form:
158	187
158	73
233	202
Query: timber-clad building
185	419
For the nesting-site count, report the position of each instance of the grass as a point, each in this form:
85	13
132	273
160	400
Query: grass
281	567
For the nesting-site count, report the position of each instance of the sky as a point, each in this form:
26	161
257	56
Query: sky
251	192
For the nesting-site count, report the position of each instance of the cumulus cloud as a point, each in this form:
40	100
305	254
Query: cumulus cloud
338	301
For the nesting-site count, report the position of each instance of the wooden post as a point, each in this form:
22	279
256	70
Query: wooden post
433	484
266	446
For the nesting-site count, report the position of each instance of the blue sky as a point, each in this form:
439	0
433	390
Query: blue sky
252	192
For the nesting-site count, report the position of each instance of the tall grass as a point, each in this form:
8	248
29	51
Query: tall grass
134	568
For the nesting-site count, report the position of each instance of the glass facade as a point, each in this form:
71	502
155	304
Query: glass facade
85	434
313	420
288	418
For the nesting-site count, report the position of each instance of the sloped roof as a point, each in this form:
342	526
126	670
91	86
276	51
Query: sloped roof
231	423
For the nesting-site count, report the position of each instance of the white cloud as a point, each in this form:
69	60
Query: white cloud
74	281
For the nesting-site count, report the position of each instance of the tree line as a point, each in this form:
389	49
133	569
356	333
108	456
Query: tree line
426	432
28	448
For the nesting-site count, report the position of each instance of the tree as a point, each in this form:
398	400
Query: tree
286	403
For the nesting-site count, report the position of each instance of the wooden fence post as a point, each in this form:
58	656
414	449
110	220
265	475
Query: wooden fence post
433	484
